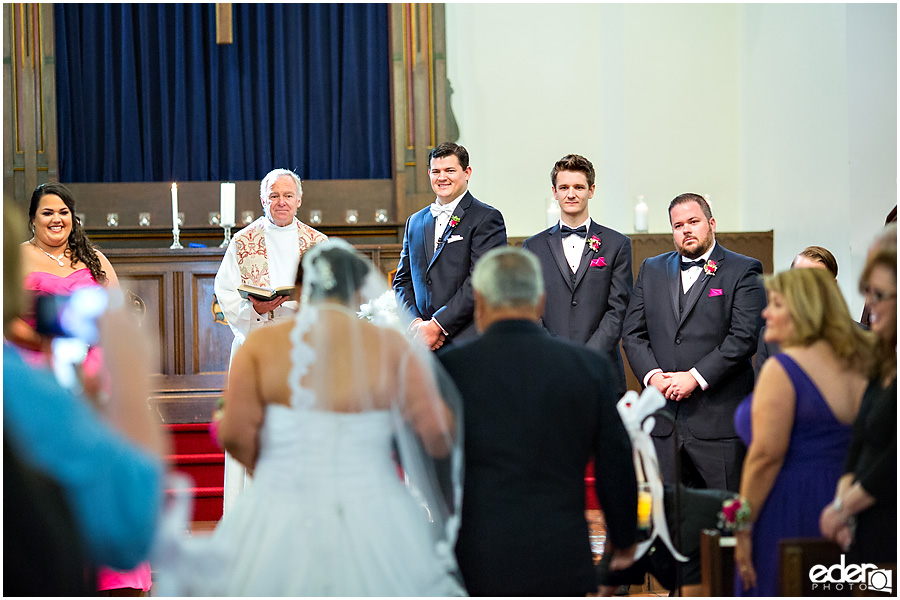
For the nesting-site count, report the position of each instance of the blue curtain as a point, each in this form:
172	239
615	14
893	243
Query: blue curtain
145	93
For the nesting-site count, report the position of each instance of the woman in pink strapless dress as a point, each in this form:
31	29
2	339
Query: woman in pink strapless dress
58	260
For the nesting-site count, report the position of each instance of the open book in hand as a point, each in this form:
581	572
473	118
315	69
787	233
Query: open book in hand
261	293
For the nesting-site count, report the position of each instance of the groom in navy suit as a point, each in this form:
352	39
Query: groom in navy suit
586	268
441	244
691	332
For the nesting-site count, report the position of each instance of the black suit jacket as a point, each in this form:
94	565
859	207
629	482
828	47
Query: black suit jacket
716	333
536	409
438	283
589	308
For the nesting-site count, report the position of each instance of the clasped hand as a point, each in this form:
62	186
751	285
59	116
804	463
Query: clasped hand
836	528
430	333
674	386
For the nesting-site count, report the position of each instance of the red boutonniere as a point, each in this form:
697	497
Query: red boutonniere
454	221
594	243
710	267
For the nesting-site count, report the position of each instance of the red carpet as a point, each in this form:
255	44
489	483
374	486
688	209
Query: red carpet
198	457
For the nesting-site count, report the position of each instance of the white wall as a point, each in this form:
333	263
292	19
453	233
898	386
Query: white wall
533	82
784	114
819	128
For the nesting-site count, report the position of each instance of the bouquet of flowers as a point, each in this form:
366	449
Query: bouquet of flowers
381	311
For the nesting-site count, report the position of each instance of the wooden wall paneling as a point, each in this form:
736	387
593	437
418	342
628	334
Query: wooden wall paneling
211	337
178	310
197	199
146	291
420	99
29	107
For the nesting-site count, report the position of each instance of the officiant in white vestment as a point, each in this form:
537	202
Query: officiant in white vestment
265	254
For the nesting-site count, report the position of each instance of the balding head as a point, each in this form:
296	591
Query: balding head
508	285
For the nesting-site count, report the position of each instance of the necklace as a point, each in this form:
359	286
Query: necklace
59	260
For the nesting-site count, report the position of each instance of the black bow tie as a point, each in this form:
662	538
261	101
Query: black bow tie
566	230
685	265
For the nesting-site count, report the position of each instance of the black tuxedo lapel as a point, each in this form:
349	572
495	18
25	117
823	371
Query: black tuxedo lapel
699	286
587	254
429	236
554	240
673	270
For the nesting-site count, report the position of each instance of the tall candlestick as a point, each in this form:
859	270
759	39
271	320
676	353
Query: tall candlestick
175	207
641	216
553	213
226	205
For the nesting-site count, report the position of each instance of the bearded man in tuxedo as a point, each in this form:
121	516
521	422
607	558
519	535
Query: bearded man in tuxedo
441	244
691	331
586	268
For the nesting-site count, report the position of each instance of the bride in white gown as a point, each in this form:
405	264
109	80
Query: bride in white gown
354	442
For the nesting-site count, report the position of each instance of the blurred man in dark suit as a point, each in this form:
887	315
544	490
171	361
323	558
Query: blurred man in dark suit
535	410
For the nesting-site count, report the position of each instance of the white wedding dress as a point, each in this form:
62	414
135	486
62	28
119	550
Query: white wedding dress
327	514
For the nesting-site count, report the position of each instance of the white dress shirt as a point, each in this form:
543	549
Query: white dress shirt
440	222
688	278
573	245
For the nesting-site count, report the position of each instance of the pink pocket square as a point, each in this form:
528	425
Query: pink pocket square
715	292
598	262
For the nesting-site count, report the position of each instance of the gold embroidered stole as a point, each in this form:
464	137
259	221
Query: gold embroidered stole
250	244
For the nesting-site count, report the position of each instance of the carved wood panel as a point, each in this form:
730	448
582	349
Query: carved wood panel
211	336
146	293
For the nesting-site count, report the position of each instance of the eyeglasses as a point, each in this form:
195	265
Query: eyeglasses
878	296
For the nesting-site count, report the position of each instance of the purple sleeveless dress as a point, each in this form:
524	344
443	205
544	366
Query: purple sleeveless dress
812	466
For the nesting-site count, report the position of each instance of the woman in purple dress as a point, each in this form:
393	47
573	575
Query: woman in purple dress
797	422
56	261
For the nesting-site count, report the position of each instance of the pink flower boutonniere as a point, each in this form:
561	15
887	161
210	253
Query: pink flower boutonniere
594	243
710	267
454	221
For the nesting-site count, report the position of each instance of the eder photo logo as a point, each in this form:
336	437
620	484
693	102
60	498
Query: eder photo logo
851	578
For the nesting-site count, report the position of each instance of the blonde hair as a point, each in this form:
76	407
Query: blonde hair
13	292
819	312
883	254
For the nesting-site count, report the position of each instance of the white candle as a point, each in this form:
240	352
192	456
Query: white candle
641	216
174	206
553	213
226	205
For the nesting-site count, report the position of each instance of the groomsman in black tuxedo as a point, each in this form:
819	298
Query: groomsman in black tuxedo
691	331
535	410
440	246
586	267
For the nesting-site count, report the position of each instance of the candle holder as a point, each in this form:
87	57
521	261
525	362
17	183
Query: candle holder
315	217
247	217
175	243
144	219
227	239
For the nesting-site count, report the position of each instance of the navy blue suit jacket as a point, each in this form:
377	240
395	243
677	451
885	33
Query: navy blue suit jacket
438	283
589	308
716	333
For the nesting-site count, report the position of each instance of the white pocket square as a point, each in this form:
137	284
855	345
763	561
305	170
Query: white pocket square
454	238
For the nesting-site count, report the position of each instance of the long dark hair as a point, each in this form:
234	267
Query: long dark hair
80	247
